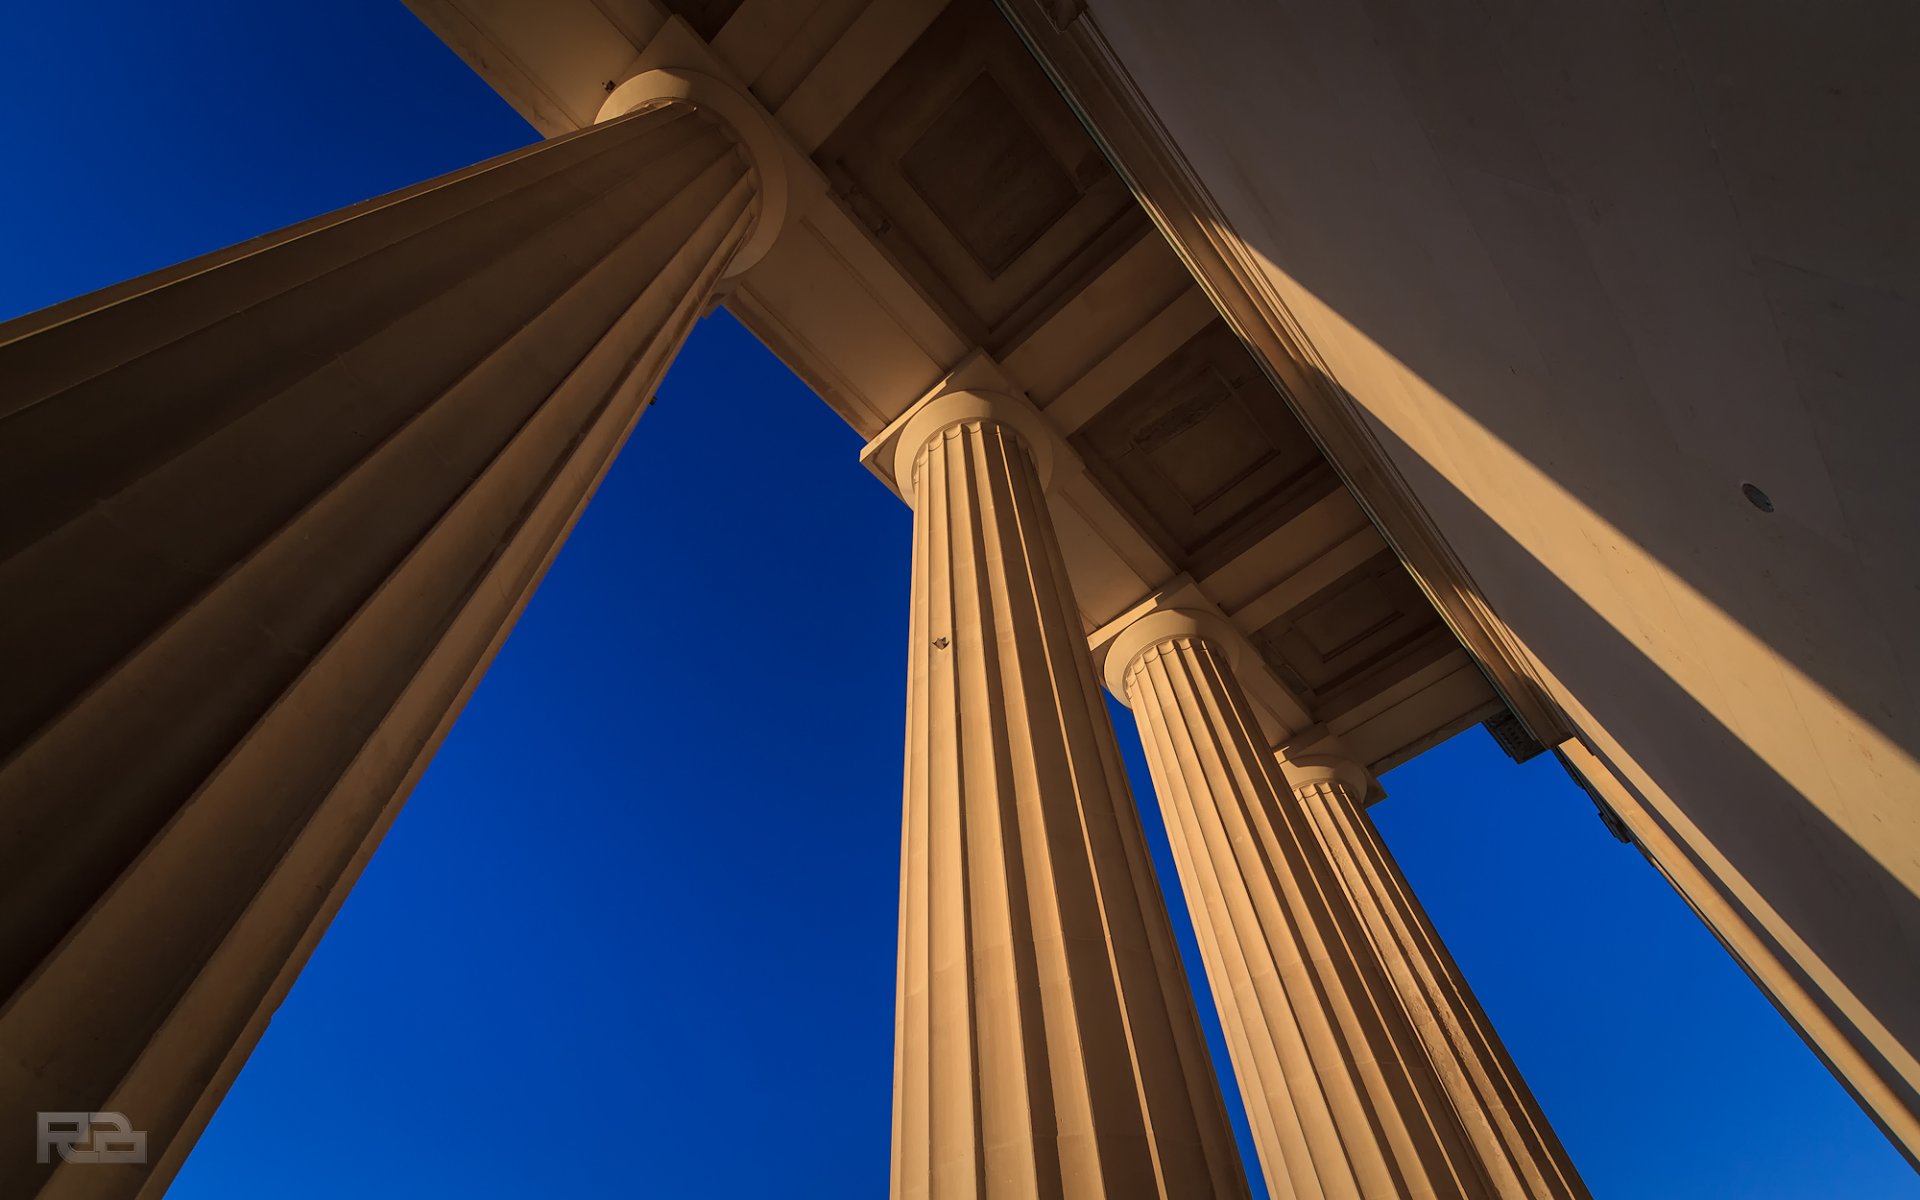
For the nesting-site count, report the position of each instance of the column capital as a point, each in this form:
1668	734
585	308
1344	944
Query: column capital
1164	625
1311	769
975	390
1180	609
765	145
959	407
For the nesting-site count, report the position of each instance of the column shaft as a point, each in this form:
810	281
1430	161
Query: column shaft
1047	1043
270	514
1367	1069
1509	1132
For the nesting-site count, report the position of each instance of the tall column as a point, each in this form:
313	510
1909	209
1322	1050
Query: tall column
1367	1067
1046	1043
268	516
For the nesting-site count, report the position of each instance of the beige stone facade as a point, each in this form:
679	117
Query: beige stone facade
1322	379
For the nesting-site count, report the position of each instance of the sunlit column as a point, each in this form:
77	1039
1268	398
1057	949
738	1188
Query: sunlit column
268	516
1047	1043
1366	1066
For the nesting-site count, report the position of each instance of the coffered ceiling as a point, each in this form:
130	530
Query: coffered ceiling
961	211
1202	451
974	174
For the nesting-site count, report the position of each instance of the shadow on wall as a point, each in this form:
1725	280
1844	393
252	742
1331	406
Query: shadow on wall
1820	881
1584	272
1544	222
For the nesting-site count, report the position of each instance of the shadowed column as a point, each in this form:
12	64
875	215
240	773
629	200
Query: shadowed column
268	516
1047	1043
1366	1065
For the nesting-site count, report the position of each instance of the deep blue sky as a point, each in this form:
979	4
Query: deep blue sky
634	933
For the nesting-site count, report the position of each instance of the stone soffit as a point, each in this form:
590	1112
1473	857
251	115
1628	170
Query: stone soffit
949	219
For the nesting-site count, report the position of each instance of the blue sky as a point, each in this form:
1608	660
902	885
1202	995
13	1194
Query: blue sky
634	933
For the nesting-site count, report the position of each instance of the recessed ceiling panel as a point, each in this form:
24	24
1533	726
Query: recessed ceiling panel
1204	451
973	173
1353	638
963	166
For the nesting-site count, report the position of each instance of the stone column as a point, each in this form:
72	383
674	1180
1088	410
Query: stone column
1046	1041
1366	1065
268	516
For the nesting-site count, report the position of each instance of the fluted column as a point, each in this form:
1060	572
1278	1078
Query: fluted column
268	516
1367	1068
1047	1043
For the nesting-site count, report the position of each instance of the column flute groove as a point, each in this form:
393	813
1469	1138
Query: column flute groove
279	507
1367	1067
1329	1055
1492	1102
1046	1042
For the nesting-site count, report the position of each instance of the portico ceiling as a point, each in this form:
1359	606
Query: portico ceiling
958	209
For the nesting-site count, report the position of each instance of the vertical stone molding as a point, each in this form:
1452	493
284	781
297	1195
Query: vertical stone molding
1366	1066
269	515
1046	1042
